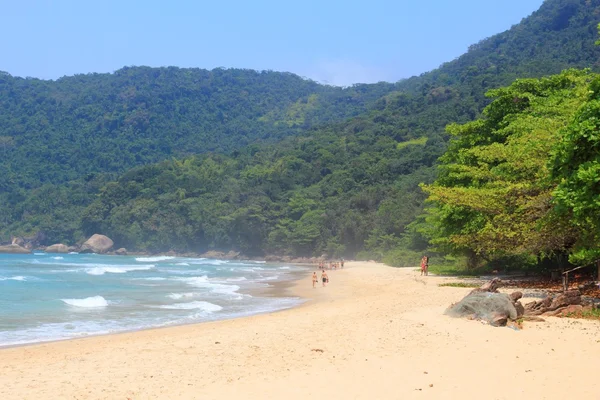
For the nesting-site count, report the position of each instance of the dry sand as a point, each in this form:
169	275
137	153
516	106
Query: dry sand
374	333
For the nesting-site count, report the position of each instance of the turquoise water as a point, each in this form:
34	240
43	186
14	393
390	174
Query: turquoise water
54	297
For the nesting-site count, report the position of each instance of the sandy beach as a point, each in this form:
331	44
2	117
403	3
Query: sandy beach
374	333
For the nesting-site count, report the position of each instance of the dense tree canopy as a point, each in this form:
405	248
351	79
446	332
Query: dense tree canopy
494	193
188	159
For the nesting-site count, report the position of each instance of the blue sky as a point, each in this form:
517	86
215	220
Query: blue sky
337	42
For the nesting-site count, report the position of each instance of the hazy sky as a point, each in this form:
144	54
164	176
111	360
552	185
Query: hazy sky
338	42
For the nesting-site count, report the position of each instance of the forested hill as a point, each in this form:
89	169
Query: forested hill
340	187
55	131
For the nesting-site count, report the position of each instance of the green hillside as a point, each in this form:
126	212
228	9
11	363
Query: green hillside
56	131
340	187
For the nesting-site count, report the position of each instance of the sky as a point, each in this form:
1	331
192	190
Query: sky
329	41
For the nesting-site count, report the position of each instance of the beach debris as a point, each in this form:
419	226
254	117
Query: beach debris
499	309
318	350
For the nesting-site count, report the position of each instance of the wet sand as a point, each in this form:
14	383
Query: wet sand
374	333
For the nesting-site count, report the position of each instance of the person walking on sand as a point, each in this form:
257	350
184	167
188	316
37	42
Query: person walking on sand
314	279
324	278
424	265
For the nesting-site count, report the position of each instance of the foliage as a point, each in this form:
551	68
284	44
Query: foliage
577	165
188	159
493	196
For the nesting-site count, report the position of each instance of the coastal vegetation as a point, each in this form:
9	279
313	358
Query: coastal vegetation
269	163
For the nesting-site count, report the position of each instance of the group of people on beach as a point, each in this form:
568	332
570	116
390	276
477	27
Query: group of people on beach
323	266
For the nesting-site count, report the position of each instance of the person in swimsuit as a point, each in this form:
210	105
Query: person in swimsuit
424	265
324	278
314	279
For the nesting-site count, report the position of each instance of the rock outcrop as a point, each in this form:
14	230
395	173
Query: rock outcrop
57	248
498	309
121	252
231	255
13	249
97	244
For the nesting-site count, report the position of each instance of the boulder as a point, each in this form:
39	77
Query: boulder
19	241
520	309
73	249
514	296
499	319
13	249
121	252
566	311
57	248
565	299
97	244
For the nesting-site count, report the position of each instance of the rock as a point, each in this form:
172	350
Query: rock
57	248
514	296
19	241
531	318
565	311
171	253
121	252
213	254
484	305
520	309
231	255
565	299
73	249
13	249
97	244
499	319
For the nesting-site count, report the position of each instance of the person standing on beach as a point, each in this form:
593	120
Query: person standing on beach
342	263
324	278
314	279
424	265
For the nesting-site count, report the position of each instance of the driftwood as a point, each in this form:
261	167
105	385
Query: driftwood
490	287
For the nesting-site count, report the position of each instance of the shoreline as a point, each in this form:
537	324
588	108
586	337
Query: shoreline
276	289
374	332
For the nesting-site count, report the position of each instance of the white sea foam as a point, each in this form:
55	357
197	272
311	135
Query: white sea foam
203	282
73	252
58	258
154	259
269	278
14	278
179	296
88	302
194	305
183	264
101	269
204	261
238	279
39	254
154	278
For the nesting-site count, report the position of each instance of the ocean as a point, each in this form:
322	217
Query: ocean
46	297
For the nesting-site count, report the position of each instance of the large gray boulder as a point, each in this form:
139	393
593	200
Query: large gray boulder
97	244
13	249
57	248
